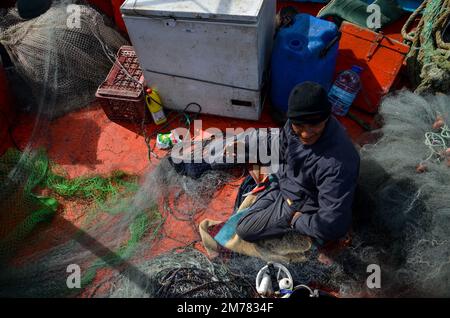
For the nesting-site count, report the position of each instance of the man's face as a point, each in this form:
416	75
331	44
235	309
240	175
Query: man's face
308	133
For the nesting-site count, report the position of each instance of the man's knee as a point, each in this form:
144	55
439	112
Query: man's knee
244	232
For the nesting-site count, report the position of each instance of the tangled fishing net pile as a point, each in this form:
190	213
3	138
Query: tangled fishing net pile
119	220
106	224
187	273
405	178
60	57
35	200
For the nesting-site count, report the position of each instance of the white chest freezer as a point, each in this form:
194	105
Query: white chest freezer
211	52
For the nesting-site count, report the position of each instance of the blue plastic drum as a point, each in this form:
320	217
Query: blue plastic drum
304	51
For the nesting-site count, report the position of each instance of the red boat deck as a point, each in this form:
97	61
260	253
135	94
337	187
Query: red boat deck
86	142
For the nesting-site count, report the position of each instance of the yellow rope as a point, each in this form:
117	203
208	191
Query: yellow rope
410	36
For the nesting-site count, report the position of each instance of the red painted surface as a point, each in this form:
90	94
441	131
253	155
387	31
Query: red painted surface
104	6
7	112
95	145
118	15
380	57
5	138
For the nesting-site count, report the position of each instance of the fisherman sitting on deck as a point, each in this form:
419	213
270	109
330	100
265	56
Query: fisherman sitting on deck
312	192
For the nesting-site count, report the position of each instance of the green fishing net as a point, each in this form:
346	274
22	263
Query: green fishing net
21	208
29	201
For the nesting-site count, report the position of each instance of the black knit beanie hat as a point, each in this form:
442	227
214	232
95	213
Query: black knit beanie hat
308	104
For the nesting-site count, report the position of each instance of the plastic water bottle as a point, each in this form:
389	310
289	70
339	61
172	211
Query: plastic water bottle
344	90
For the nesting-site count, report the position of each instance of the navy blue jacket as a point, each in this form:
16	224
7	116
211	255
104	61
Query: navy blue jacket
320	180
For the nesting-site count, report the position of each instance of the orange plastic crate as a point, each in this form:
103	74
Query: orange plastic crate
380	56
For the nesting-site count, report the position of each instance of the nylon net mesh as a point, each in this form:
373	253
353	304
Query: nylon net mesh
59	55
409	209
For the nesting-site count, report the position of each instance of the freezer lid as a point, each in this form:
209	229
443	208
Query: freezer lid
238	11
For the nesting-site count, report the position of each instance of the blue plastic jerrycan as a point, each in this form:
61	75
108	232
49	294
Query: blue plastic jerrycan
304	51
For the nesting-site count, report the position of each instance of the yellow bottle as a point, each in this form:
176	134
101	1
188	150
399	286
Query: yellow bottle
155	106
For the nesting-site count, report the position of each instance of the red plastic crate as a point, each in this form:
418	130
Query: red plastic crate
121	97
380	56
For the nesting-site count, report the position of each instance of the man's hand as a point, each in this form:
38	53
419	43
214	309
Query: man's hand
295	217
258	173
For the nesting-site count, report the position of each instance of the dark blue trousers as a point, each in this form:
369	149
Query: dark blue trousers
269	216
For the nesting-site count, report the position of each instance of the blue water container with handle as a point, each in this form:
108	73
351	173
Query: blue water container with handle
304	51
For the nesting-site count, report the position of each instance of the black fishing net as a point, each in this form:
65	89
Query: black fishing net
185	273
